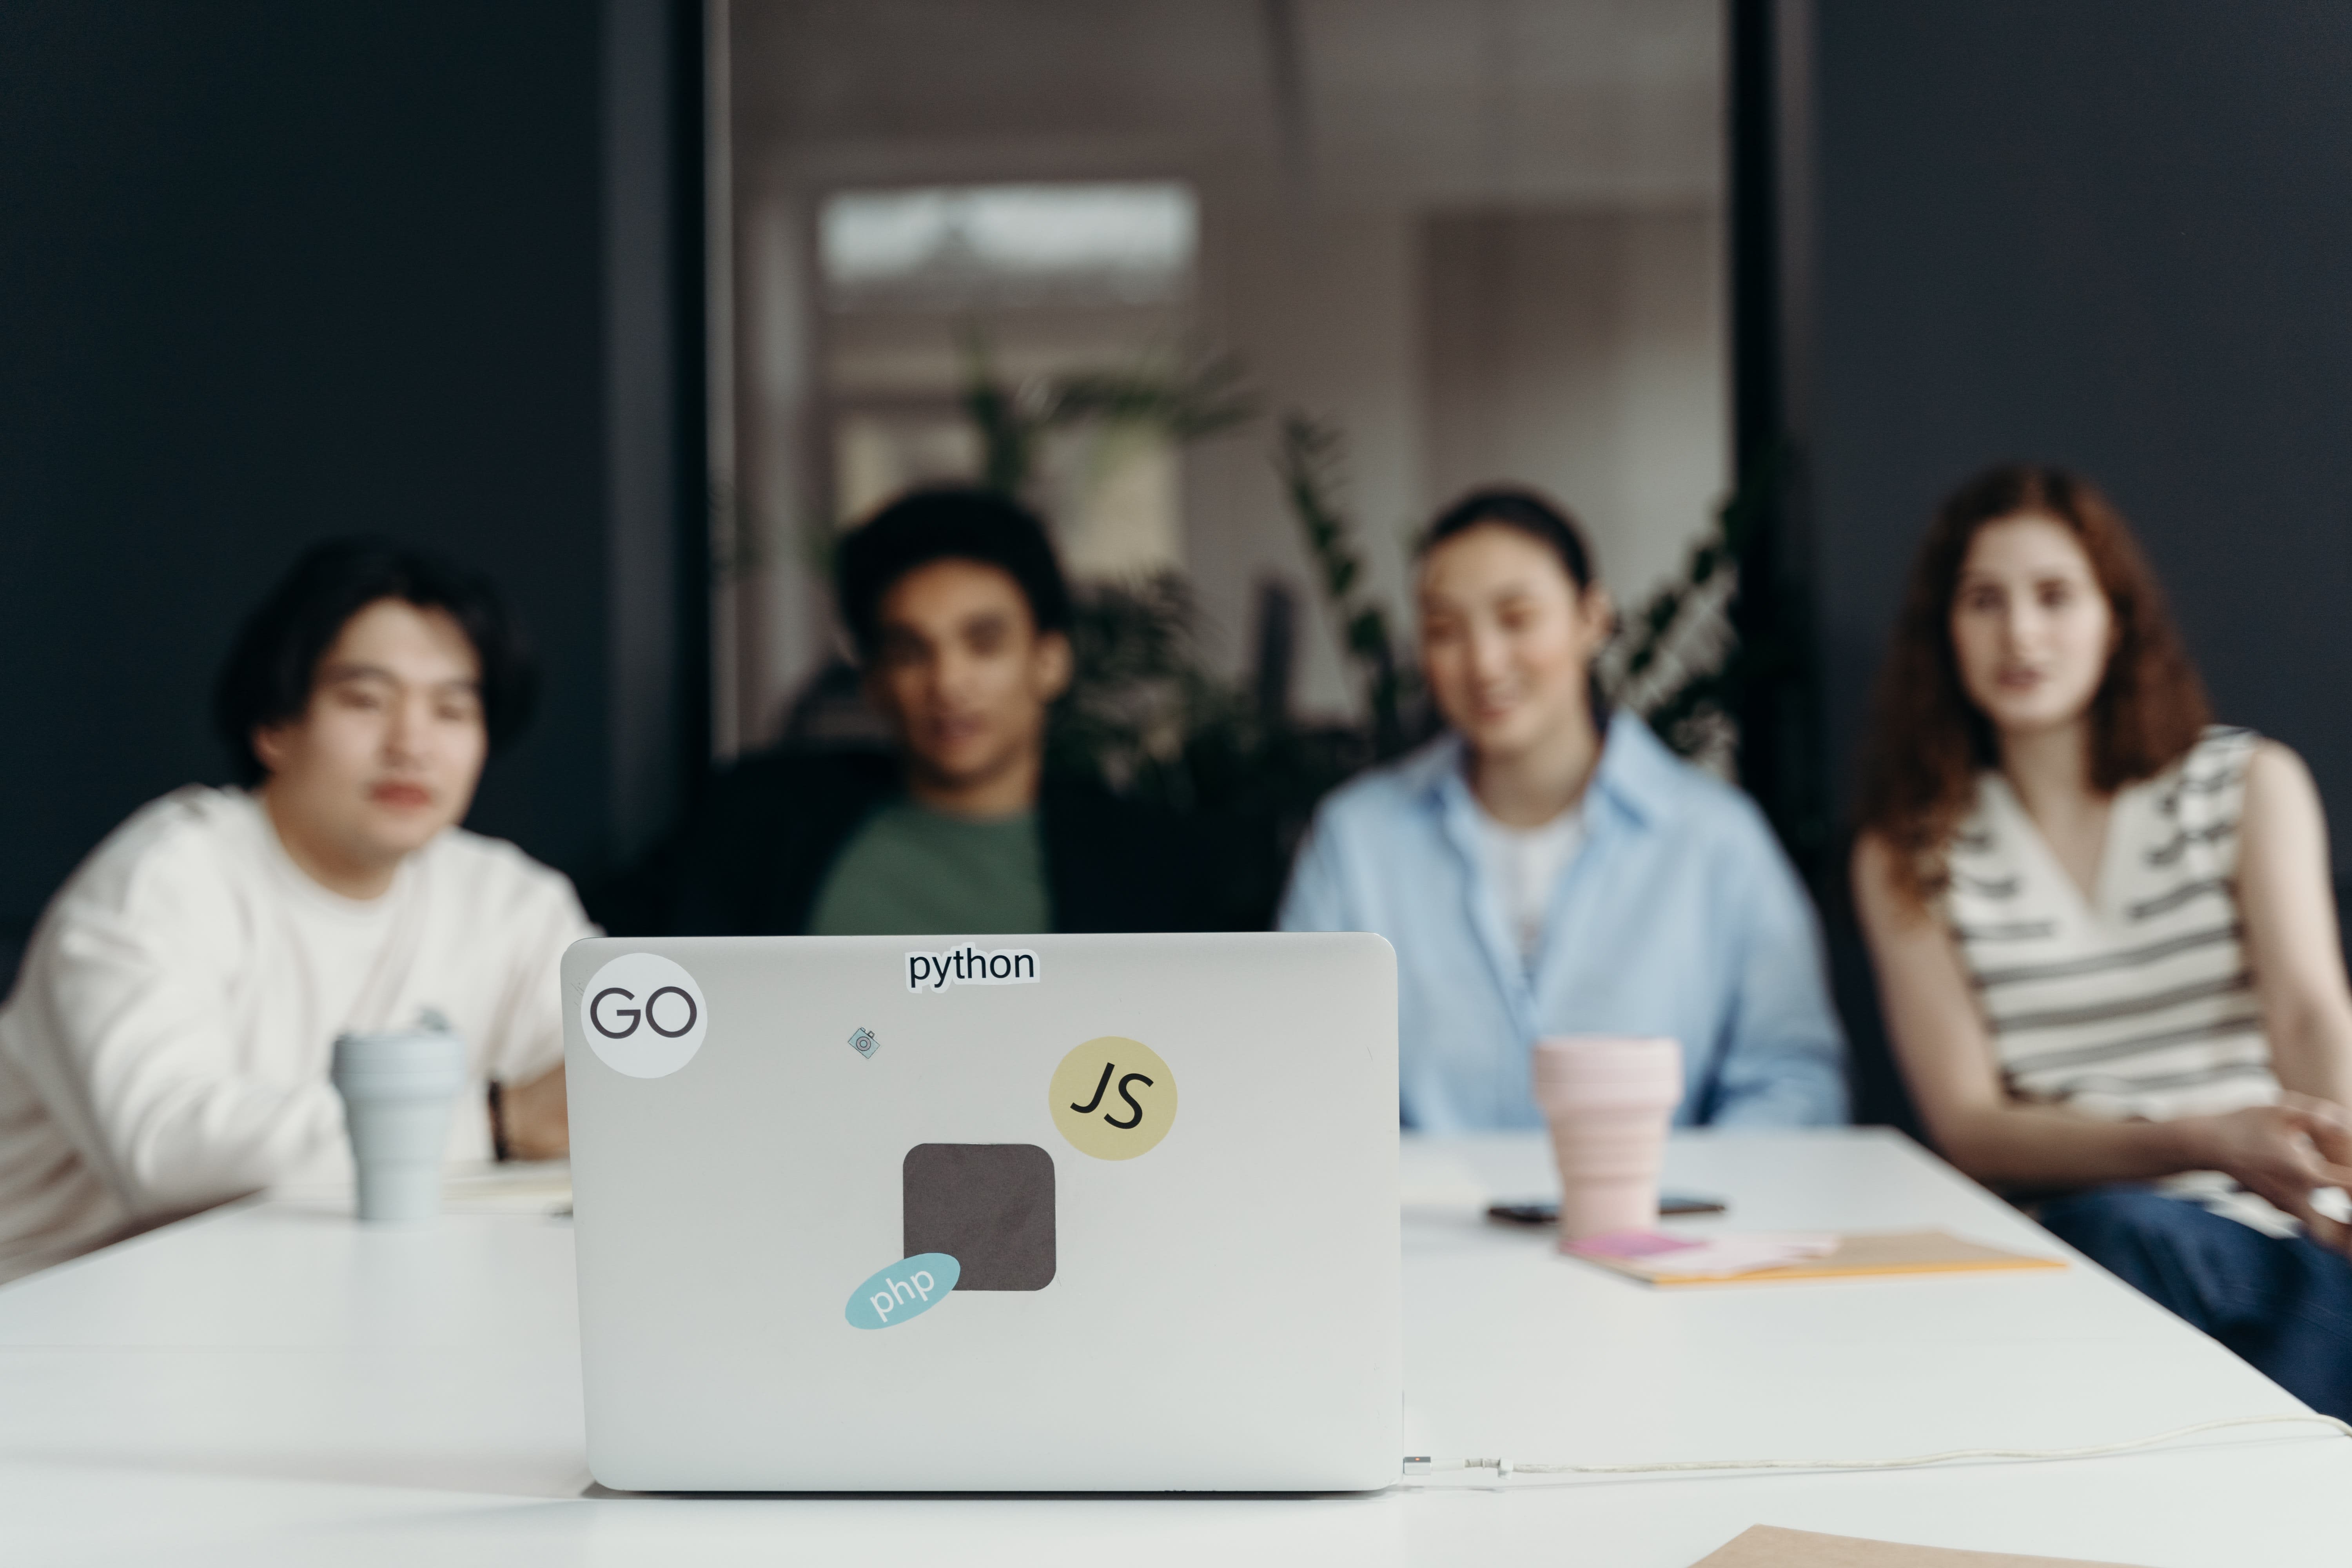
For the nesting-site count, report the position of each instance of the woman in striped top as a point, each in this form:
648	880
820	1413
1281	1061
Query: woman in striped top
2104	932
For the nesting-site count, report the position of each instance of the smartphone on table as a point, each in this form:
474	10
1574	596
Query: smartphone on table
1669	1206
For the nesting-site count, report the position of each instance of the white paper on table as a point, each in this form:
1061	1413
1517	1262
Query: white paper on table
1717	1257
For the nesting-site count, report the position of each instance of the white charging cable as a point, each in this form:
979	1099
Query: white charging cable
1423	1465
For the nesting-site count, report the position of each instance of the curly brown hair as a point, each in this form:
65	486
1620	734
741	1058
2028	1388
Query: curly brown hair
1927	741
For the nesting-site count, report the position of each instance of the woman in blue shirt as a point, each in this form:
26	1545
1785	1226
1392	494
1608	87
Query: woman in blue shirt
1546	868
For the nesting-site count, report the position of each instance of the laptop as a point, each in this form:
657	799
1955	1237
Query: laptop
1017	1214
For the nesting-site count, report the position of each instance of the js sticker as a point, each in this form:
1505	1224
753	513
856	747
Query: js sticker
1113	1097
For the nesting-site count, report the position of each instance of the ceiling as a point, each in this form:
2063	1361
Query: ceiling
1425	103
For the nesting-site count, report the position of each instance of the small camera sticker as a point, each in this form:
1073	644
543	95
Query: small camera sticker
864	1044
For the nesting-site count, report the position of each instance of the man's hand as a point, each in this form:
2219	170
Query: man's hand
2281	1152
536	1118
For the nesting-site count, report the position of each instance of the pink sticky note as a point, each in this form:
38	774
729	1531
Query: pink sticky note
1631	1244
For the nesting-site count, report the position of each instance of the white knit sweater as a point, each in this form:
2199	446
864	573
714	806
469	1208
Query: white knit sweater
167	1042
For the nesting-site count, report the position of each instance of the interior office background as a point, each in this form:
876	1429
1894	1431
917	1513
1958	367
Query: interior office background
1473	240
269	272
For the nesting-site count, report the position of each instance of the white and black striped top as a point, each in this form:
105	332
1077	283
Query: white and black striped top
2137	1004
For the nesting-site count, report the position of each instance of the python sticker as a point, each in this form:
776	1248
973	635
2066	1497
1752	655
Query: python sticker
644	1016
906	1288
969	963
1113	1097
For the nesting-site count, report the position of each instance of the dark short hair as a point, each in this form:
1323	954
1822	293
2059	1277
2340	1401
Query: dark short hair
1546	521
270	668
947	523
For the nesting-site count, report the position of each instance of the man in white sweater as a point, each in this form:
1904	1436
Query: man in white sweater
166	1044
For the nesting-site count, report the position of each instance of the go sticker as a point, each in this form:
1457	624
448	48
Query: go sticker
907	1288
644	1016
1113	1097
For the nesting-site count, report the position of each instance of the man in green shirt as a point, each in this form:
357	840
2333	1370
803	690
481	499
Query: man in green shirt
960	618
914	868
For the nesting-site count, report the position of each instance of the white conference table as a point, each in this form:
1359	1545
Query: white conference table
269	1382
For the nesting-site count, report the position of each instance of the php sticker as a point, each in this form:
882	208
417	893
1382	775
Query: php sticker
1113	1097
906	1288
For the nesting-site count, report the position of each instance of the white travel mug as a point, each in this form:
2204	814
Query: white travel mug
1609	1101
398	1090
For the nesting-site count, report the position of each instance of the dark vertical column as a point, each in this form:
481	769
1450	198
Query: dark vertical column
271	272
1785	759
1758	407
657	654
1773	696
690	475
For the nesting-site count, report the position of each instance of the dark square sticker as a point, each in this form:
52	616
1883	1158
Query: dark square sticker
988	1205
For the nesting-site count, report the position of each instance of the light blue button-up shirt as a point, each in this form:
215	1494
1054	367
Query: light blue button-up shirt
1679	916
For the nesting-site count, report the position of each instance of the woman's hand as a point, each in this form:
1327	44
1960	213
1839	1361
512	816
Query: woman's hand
2281	1152
536	1118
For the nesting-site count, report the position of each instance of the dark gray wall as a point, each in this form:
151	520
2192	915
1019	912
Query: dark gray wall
273	270
2111	234
2117	235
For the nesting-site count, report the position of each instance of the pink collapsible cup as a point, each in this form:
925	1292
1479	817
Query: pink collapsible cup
1609	1101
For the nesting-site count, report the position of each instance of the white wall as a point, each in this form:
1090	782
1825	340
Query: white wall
1320	305
777	629
1582	352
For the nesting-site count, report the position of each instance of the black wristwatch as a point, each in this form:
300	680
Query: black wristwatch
498	1126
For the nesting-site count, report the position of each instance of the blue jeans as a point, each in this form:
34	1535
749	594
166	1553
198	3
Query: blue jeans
2285	1305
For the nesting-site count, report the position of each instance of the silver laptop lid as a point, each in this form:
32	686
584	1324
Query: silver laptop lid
1049	1212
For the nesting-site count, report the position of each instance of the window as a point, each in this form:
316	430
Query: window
924	288
957	247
